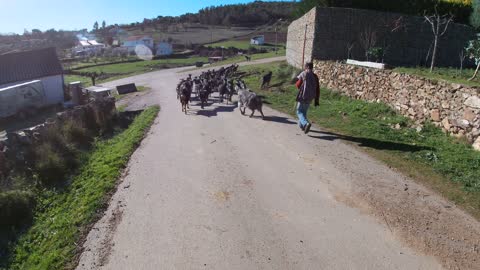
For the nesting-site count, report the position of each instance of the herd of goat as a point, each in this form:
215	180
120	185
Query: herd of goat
224	82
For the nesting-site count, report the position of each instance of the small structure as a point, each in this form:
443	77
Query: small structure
132	42
42	65
163	48
126	89
98	92
257	40
85	46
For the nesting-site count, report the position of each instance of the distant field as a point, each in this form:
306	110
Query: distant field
204	34
118	71
143	66
242	44
193	34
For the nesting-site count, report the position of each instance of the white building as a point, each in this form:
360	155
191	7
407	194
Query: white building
164	48
132	42
87	46
43	65
257	40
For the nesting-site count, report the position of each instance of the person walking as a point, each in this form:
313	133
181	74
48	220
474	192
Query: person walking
308	90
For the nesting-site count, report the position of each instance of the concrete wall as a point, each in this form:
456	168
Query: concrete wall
296	39
406	39
453	107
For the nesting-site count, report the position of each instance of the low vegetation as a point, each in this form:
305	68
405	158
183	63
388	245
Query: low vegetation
444	163
452	75
242	45
62	214
122	70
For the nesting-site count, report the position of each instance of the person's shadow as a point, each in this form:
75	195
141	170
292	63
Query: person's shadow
368	142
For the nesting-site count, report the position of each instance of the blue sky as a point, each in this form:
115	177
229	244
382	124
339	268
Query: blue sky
17	15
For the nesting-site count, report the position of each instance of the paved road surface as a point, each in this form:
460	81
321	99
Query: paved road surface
218	190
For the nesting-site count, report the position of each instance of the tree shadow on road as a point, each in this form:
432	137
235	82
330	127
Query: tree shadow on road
368	142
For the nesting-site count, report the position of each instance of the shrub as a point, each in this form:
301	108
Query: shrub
76	134
16	208
50	165
54	157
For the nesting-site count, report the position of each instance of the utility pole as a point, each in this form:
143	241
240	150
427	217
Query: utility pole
276	40
304	44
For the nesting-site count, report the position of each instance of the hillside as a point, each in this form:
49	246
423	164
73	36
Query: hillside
208	25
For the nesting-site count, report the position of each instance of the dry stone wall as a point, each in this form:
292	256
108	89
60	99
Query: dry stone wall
17	147
453	107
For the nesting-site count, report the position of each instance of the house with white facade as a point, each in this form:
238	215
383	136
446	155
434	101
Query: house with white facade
132	42
86	46
163	48
257	40
43	65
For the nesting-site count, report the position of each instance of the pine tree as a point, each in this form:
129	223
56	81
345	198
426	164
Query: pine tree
95	26
104	24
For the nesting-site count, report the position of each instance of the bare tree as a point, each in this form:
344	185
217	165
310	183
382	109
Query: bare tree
462	55
368	39
350	46
439	25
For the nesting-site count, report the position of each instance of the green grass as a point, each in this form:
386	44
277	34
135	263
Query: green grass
241	58
51	243
122	70
449	166
241	44
76	78
452	75
144	66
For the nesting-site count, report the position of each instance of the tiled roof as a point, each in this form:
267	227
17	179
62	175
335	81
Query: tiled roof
29	65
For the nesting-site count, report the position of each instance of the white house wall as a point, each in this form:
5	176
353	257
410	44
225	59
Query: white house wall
52	85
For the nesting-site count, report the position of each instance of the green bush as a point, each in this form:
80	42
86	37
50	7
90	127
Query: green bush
54	157
16	208
50	165
76	134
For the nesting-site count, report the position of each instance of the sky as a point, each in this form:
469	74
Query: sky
18	15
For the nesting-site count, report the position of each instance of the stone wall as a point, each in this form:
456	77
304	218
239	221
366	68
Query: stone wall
453	107
16	147
406	39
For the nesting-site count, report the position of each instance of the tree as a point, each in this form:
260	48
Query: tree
473	52
95	26
439	25
104	24
475	15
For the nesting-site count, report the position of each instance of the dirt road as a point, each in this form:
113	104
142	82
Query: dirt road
218	190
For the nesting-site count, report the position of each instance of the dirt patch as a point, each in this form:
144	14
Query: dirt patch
416	216
107	243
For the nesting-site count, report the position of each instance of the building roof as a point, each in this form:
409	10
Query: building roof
87	43
29	65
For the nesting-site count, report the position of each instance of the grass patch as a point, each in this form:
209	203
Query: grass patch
451	75
122	70
241	58
449	166
242	45
62	216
